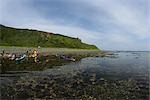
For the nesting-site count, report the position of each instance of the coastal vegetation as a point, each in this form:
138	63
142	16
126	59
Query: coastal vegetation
32	38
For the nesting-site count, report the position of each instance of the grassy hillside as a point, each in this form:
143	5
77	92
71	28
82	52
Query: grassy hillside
33	38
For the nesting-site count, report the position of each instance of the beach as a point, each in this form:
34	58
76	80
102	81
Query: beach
93	75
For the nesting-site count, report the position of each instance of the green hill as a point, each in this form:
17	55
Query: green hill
33	38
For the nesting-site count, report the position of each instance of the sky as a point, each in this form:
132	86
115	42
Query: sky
108	24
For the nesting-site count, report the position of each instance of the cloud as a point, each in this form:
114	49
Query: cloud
126	16
110	24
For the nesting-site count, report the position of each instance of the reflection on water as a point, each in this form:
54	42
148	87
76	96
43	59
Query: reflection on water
125	76
126	63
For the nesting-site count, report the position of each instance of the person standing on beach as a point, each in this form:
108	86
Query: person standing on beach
35	55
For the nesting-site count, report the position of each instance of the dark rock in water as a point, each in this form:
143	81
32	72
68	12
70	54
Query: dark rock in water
102	79
77	87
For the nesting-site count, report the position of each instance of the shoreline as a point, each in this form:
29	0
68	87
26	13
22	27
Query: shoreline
49	51
47	58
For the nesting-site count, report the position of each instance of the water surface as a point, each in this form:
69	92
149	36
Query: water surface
122	63
121	76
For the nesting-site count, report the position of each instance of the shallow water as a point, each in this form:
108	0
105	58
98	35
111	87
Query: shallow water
123	63
124	75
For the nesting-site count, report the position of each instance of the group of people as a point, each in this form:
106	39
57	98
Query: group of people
21	57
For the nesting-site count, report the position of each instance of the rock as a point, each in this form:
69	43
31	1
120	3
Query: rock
102	79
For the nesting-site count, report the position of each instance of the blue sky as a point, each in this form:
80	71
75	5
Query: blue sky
109	24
